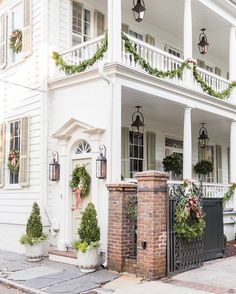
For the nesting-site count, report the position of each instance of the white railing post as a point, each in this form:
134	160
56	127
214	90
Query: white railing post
187	156
114	30
232	61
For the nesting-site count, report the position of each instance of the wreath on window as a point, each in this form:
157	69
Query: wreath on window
14	161
189	218
80	184
15	43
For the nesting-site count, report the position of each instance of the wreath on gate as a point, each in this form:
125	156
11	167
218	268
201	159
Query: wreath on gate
189	218
80	183
15	39
14	161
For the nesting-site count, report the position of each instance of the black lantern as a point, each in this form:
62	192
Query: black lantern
203	139
101	163
138	122
139	10
203	44
54	168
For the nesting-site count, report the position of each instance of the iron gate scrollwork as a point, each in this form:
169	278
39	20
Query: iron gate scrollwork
182	255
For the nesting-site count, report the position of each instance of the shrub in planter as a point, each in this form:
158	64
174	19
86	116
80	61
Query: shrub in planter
173	163
34	237
203	167
88	243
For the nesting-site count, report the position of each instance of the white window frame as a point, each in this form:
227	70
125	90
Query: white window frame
7	185
3	13
168	47
135	158
9	28
132	32
87	7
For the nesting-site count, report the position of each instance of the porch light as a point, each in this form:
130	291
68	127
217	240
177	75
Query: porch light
138	121
203	139
101	163
139	10
203	44
54	168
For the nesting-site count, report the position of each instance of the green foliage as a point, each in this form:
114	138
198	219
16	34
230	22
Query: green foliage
225	241
203	167
178	72
189	219
34	229
132	207
82	246
15	41
14	168
72	69
89	231
230	193
80	177
173	163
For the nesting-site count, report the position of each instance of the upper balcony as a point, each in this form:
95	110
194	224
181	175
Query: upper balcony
160	45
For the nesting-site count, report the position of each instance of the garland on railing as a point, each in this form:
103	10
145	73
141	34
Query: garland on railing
71	69
230	193
178	72
208	89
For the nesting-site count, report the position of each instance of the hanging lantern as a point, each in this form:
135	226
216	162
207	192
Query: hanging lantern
138	122
203	44
54	168
101	163
139	10
203	139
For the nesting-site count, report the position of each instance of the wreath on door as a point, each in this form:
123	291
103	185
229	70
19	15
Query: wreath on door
15	39
14	161
80	184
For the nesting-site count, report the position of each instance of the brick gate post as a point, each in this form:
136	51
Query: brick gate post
152	224
120	243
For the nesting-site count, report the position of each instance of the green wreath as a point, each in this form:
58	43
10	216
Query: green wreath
189	219
15	39
80	177
14	161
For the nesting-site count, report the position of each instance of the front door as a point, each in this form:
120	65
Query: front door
77	212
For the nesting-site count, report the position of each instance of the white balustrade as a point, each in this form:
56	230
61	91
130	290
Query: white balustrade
79	53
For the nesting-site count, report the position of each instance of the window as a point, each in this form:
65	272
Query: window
2	40
207	154
135	153
83	147
172	51
81	24
16	22
14	144
136	35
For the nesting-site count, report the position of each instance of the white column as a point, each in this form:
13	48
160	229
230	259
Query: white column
233	152
187	156
114	30
232	61
188	43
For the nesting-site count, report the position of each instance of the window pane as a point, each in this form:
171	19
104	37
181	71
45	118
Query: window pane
14	144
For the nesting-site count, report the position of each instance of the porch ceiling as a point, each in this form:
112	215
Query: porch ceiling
168	15
158	110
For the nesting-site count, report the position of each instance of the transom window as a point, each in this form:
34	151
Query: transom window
14	144
83	147
173	51
81	24
136	35
135	153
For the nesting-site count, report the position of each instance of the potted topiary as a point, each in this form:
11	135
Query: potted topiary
203	168
34	237
173	163
88	243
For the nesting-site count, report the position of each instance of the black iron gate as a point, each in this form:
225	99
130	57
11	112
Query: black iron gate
182	255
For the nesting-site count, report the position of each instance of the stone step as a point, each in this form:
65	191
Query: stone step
69	257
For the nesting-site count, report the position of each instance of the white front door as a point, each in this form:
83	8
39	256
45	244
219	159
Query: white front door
77	212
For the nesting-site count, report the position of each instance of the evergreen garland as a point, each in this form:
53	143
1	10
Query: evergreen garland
72	69
178	72
15	41
80	177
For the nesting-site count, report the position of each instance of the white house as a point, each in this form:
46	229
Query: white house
43	109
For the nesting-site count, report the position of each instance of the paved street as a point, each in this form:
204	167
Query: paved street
7	290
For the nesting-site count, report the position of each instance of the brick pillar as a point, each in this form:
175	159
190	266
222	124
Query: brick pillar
152	224
119	224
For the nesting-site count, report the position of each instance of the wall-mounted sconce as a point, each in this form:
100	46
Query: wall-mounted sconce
101	163
54	167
